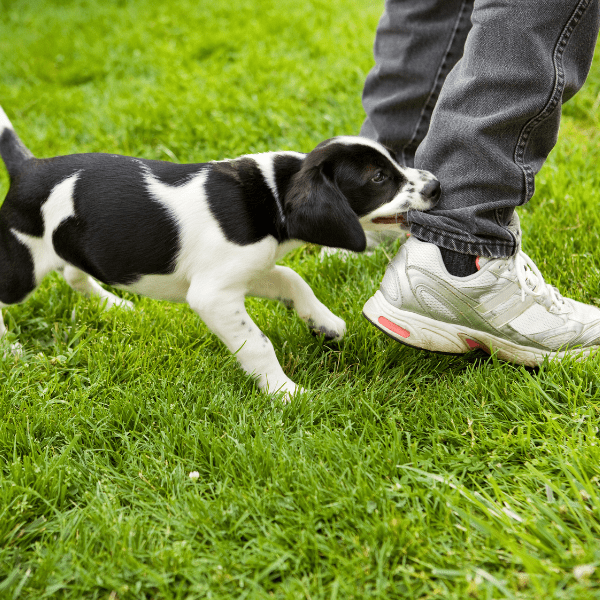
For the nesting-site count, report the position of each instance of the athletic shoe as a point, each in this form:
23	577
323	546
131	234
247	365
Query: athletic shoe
505	307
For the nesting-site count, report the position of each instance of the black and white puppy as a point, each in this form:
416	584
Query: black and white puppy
207	234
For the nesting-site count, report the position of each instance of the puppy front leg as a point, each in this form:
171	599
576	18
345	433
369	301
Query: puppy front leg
81	282
226	316
284	284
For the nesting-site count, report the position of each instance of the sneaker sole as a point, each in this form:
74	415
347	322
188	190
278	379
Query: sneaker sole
425	333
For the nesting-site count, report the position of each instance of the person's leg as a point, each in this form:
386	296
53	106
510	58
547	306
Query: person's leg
417	43
494	124
497	117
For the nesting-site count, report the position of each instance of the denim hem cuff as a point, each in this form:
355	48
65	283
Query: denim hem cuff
489	249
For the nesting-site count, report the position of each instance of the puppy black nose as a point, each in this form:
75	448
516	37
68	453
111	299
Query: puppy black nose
432	190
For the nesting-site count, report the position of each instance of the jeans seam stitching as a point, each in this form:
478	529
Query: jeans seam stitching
429	106
552	102
416	229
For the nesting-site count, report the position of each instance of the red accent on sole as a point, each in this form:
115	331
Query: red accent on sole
473	345
477	263
393	327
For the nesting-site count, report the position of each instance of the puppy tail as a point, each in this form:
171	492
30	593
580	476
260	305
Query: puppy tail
13	151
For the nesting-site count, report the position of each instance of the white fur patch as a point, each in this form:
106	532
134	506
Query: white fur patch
265	162
349	140
4	121
58	207
188	207
205	251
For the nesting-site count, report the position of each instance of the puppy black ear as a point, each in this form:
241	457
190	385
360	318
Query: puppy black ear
317	211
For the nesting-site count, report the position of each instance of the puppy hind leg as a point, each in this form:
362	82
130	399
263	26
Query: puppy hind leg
86	285
226	317
284	284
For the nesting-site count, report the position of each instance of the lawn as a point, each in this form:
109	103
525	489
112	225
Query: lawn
401	475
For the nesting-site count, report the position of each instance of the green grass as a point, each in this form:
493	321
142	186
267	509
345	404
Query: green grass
403	474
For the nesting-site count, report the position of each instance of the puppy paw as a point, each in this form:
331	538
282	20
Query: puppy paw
125	304
330	326
8	350
287	397
111	300
285	390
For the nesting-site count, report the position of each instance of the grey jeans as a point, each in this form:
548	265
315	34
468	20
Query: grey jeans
472	90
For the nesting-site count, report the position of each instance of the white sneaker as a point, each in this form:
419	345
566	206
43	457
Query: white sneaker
506	307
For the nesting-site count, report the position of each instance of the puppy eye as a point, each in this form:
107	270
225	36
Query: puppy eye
379	177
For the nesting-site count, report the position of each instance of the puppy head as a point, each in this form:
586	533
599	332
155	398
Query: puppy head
349	184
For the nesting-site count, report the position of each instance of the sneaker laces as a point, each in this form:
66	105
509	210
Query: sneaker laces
532	281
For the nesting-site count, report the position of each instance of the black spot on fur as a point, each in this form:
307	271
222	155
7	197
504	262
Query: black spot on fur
287	302
241	201
172	174
285	167
321	330
13	152
119	232
16	268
